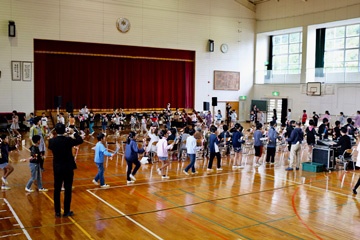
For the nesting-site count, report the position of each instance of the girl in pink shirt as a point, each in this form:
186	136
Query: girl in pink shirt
162	153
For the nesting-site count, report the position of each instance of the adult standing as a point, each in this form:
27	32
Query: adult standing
296	138
255	110
228	117
64	165
85	113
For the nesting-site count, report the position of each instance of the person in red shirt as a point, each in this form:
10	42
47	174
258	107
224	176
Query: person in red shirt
304	117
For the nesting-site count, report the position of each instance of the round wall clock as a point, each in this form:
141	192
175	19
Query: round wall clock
224	48
123	25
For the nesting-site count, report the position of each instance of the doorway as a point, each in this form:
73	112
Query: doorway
234	106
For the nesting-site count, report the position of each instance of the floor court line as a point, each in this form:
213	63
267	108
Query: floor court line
123	214
17	219
72	220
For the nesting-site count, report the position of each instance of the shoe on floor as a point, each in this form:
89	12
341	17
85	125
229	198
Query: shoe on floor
129	182
5	188
62	189
297	168
159	171
241	167
95	182
4	180
354	191
209	170
195	172
43	190
132	177
29	189
234	167
186	173
272	163
105	186
165	177
219	169
289	169
69	214
57	215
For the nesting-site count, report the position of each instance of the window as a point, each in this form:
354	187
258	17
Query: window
287	49
342	48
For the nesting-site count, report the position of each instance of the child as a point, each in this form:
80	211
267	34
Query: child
133	122
39	130
223	138
143	125
71	121
82	123
218	118
237	142
304	117
31	119
252	118
271	147
316	119
258	145
60	118
358	165
104	122
117	121
4	160
44	122
15	124
154	119
310	136
214	149
36	164
208	119
191	151
91	123
100	152
162	153
342	119
131	156
336	132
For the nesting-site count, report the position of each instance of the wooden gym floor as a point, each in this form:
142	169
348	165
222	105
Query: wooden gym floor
267	203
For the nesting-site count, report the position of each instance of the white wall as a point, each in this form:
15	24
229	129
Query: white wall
276	16
178	24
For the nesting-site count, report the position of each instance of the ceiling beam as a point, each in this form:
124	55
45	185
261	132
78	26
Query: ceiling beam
246	4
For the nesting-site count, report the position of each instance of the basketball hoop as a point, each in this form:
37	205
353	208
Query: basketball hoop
311	93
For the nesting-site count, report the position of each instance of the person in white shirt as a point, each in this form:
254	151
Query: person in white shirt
191	151
288	117
233	118
60	118
162	153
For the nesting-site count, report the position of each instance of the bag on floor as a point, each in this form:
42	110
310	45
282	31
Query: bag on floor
144	160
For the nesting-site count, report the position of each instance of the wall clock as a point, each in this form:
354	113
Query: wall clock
123	25
224	48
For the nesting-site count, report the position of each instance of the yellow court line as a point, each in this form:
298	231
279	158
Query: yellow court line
72	220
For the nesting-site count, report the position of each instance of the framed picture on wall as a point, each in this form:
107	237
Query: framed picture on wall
225	80
16	70
27	71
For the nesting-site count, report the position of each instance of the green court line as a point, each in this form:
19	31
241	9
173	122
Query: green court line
245	216
197	214
292	216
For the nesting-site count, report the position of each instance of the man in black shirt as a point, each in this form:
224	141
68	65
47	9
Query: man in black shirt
64	165
344	142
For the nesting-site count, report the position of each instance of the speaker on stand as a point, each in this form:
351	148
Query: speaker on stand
213	104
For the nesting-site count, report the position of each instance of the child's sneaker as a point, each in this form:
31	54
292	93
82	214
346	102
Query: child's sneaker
95	182
130	182
165	177
186	173
241	167
5	187
62	189
159	171
29	189
234	167
4	180
105	186
219	169
195	172
132	177
43	190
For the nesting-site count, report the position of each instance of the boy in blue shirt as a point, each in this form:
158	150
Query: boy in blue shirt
258	145
100	152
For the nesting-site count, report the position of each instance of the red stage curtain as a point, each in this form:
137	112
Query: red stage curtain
113	82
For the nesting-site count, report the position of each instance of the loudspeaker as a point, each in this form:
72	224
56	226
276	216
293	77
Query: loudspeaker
12	29
211	45
57	101
206	106
214	101
69	107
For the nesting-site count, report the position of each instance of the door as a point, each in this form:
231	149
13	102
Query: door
235	106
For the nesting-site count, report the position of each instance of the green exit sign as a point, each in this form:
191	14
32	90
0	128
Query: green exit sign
242	97
275	94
